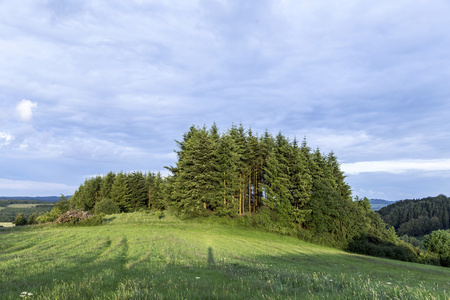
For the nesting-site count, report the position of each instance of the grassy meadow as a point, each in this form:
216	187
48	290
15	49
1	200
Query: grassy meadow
142	256
25	205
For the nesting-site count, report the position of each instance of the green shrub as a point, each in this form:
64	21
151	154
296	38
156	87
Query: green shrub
106	206
49	217
20	220
438	242
32	219
375	246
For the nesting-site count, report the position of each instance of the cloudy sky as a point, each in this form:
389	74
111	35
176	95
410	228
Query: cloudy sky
88	87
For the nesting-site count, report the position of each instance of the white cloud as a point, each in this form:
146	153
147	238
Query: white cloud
5	138
10	187
397	166
24	110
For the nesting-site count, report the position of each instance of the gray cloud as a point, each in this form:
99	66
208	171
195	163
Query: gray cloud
116	82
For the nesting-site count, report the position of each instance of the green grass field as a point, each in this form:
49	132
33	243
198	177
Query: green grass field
25	205
6	224
139	256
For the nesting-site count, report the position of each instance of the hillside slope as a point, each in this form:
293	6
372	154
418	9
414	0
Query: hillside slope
418	217
139	256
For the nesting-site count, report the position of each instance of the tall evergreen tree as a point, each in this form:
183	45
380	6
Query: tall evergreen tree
106	185
121	193
138	190
196	176
227	168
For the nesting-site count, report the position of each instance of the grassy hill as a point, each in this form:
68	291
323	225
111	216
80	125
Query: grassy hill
141	256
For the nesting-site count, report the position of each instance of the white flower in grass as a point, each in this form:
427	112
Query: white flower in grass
197	277
388	282
331	280
25	295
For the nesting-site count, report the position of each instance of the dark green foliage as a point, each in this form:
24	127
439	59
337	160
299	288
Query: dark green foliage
129	191
418	217
412	240
156	192
63	204
106	185
106	206
87	194
138	190
197	181
376	246
121	193
32	219
20	220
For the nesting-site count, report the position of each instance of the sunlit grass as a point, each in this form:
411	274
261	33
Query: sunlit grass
25	205
139	256
6	224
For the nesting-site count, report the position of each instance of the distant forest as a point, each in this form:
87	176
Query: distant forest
418	217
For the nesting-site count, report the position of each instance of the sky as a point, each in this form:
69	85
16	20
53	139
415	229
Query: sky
88	87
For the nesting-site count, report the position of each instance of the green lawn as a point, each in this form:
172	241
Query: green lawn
138	256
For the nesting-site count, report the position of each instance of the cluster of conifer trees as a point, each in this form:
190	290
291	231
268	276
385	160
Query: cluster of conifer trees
418	217
238	173
128	191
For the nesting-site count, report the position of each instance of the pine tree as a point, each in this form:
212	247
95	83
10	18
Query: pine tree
120	192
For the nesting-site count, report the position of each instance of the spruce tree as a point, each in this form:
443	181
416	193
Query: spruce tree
227	168
106	185
197	179
120	192
138	190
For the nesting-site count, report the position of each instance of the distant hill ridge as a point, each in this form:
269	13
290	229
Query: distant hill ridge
45	199
418	217
377	204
